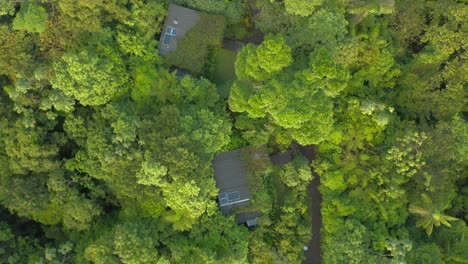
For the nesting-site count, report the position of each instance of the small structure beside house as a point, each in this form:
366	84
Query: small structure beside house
231	179
179	21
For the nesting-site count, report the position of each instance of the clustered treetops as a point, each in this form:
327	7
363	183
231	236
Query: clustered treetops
105	153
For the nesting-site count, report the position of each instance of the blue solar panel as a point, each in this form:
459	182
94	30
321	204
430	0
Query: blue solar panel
223	200
233	196
228	198
167	40
171	31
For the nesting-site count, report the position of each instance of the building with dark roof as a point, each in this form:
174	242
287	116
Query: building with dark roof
179	21
232	181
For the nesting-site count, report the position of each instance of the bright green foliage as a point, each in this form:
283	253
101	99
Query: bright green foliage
106	155
254	133
432	86
450	37
29	150
7	8
200	92
215	239
99	254
361	123
31	18
305	111
362	9
135	35
291	231
151	173
302	8
334	181
150	83
134	244
77	211
296	174
425	92
407	157
58	255
399	248
326	28
431	215
57	100
187	204
5	232
210	132
373	72
340	251
93	77
408	21
232	10
285	228
273	55
91	16
326	74
265	61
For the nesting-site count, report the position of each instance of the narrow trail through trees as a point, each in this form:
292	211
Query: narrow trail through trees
313	255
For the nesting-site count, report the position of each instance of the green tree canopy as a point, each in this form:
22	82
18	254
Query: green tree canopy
32	18
94	75
265	61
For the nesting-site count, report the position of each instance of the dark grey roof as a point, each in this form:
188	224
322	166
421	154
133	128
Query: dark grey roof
249	217
181	19
231	180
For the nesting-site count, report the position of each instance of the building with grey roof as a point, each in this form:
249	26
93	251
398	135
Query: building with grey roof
179	21
232	181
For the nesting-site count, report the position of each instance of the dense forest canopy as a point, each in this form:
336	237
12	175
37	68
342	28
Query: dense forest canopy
106	149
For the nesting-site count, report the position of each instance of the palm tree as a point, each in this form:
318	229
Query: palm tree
430	214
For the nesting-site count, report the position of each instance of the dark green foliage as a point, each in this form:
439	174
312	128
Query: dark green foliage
232	10
15	53
224	66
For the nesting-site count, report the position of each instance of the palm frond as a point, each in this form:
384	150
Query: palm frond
427	201
429	229
418	210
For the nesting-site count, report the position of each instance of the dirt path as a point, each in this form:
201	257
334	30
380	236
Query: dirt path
313	253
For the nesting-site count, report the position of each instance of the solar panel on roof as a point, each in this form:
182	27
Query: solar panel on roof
233	196
228	198
167	40
171	31
223	199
